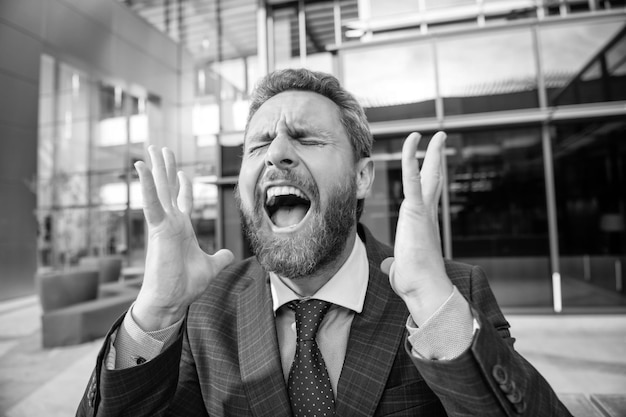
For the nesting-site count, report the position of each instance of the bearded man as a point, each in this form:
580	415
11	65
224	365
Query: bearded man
324	319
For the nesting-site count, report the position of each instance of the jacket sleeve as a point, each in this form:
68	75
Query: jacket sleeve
490	378
149	389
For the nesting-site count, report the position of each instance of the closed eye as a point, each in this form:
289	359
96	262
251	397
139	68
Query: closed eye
311	142
254	149
257	143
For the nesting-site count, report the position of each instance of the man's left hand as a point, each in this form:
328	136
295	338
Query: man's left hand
417	272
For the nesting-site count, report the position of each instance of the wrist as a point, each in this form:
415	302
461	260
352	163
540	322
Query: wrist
423	303
150	316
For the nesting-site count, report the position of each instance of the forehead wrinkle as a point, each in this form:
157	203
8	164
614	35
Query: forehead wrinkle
288	117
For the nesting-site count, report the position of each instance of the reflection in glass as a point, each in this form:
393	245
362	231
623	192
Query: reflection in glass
497	206
439	4
320	34
487	72
204	215
384	8
590	67
286	46
498	211
90	134
590	178
403	90
380	212
497	193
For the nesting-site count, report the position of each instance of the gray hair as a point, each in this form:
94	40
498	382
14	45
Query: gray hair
351	113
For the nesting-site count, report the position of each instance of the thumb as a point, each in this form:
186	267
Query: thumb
386	264
221	259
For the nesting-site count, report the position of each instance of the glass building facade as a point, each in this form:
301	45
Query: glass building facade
532	95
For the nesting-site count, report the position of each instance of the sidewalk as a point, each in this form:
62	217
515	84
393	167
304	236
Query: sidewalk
583	357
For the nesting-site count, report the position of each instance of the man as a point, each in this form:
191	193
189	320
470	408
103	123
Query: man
402	331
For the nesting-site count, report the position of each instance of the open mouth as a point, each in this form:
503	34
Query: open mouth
286	206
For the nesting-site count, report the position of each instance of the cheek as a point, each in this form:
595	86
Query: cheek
247	184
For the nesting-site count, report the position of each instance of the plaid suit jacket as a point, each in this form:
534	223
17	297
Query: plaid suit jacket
227	362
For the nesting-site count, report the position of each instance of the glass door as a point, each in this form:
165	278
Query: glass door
590	182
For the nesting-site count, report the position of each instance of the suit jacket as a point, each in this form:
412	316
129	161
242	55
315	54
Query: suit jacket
227	361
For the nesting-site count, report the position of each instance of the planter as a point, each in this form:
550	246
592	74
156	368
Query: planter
60	289
110	267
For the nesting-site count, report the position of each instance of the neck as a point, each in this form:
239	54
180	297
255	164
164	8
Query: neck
309	285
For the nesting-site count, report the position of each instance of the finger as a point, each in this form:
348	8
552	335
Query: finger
170	171
385	265
185	197
152	208
221	259
160	177
410	169
431	173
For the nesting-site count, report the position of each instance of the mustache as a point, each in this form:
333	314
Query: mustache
283	175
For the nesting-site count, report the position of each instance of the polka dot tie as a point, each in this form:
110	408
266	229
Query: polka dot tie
310	391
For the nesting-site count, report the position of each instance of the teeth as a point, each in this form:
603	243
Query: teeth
284	190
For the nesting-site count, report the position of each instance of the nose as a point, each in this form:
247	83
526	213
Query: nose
280	153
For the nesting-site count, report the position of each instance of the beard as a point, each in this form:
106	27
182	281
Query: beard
322	239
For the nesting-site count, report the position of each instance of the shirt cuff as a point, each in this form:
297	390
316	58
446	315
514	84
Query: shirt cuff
132	346
447	333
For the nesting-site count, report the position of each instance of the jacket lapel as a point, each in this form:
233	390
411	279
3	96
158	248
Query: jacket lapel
259	357
375	337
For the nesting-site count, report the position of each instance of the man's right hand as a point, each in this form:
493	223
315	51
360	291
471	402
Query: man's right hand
177	270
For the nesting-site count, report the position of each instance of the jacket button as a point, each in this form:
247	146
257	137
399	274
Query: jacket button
508	387
514	396
91	395
520	407
500	374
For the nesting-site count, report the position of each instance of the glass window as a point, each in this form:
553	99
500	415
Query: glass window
232	231
497	193
487	72
590	182
405	89
497	206
380	212
440	4
231	155
320	33
584	63
502	11
204	216
47	129
498	211
381	8
71	120
286	35
62	183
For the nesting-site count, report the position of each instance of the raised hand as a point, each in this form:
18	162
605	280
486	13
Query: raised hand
417	272
177	270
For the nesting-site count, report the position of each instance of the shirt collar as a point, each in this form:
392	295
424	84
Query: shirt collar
346	288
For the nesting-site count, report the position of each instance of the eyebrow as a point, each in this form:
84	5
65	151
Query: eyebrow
257	137
317	131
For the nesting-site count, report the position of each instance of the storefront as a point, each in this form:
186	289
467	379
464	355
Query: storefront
531	94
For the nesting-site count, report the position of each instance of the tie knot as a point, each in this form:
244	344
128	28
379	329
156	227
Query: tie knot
309	316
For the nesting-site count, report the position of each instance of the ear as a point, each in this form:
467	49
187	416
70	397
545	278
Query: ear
364	177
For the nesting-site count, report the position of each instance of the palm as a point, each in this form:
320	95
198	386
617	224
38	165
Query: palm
177	269
174	255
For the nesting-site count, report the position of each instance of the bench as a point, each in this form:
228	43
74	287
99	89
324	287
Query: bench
89	320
